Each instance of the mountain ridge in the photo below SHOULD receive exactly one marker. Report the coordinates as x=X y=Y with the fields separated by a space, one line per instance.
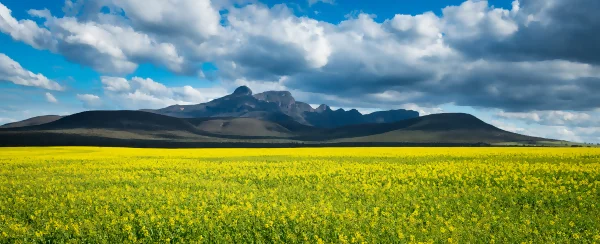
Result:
x=242 y=101
x=269 y=118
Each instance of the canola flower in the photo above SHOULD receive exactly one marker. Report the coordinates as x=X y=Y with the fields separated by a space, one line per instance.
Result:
x=325 y=195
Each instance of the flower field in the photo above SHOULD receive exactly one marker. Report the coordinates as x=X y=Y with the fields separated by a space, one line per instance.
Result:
x=324 y=195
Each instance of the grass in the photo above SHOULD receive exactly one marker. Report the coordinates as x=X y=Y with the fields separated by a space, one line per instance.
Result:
x=332 y=195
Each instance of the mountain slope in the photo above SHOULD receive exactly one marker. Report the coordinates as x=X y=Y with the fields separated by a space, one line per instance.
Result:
x=39 y=120
x=120 y=120
x=390 y=116
x=242 y=127
x=436 y=128
x=287 y=104
x=146 y=125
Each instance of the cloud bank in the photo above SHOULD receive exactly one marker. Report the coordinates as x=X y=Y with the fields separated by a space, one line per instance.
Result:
x=538 y=56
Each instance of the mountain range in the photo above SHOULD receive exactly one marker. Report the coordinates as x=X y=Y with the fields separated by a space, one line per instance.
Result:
x=244 y=119
x=242 y=103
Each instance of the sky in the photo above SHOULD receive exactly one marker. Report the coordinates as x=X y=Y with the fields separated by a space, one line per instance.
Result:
x=527 y=66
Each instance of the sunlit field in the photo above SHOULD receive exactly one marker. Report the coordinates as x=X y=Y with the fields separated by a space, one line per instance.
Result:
x=326 y=195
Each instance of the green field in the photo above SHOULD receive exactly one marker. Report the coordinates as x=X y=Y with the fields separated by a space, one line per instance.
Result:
x=330 y=195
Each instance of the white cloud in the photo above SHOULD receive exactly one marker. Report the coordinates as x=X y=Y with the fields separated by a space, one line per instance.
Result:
x=50 y=98
x=112 y=49
x=90 y=100
x=26 y=31
x=259 y=86
x=107 y=47
x=139 y=93
x=423 y=110
x=115 y=84
x=255 y=23
x=195 y=19
x=12 y=71
x=424 y=29
x=149 y=86
x=174 y=35
x=473 y=19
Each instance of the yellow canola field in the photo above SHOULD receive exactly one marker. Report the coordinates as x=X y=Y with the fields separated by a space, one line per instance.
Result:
x=309 y=195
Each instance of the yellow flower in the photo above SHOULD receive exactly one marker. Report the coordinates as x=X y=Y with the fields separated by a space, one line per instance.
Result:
x=342 y=194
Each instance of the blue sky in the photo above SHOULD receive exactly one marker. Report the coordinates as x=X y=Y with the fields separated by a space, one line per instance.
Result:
x=503 y=61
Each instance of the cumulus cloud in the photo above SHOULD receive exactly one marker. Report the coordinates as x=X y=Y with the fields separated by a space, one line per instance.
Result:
x=138 y=93
x=431 y=59
x=112 y=49
x=196 y=19
x=26 y=31
x=50 y=98
x=89 y=100
x=370 y=58
x=531 y=31
x=115 y=84
x=269 y=43
x=473 y=20
x=520 y=86
x=12 y=71
x=533 y=56
x=108 y=48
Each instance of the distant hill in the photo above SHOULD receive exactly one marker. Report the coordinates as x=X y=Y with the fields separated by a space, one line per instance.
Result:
x=242 y=103
x=33 y=121
x=448 y=127
x=139 y=128
x=152 y=125
x=118 y=120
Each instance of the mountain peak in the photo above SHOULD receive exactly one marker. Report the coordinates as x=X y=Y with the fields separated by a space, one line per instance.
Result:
x=242 y=90
x=354 y=111
x=275 y=96
x=322 y=108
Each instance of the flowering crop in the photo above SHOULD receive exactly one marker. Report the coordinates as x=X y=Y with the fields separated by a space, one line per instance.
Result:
x=325 y=195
